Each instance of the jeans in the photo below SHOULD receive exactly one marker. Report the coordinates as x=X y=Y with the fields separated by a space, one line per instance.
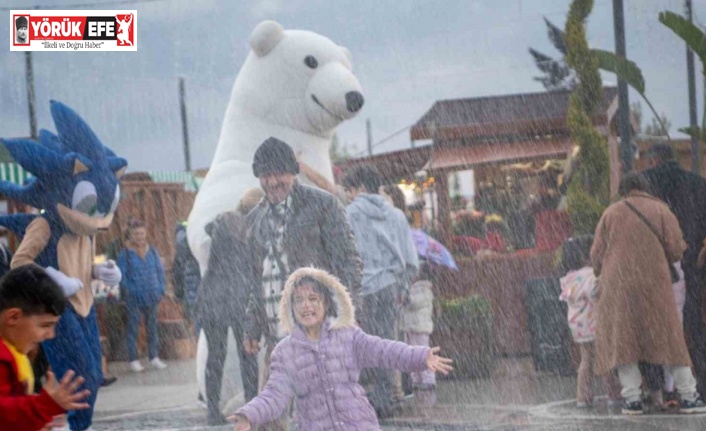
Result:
x=217 y=338
x=378 y=317
x=134 y=315
x=77 y=347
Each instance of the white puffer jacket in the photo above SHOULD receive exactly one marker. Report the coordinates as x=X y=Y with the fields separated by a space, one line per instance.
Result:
x=417 y=315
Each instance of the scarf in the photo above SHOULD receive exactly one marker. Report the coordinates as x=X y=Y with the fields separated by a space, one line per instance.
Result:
x=275 y=268
x=24 y=367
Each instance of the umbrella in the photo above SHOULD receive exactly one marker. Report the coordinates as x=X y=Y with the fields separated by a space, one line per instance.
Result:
x=432 y=249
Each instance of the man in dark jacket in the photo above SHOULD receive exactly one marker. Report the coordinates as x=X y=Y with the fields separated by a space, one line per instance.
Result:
x=222 y=299
x=685 y=193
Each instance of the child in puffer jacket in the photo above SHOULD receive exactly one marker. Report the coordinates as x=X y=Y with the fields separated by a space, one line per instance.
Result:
x=320 y=361
x=416 y=324
x=579 y=289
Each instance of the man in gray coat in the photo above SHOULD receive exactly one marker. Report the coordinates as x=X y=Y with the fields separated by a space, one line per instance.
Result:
x=295 y=226
x=389 y=263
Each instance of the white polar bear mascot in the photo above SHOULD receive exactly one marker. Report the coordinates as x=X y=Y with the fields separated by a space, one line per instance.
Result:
x=296 y=86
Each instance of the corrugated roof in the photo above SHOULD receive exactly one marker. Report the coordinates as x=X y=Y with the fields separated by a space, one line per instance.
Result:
x=474 y=117
x=471 y=156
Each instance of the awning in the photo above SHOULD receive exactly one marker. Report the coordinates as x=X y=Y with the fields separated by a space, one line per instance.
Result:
x=190 y=181
x=13 y=173
x=464 y=157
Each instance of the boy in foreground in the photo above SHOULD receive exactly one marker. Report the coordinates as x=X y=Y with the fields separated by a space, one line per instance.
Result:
x=30 y=306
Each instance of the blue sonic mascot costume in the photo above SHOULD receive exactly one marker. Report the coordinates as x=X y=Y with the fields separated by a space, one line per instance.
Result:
x=76 y=185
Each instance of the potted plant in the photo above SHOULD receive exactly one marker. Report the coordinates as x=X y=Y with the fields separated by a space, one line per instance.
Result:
x=464 y=331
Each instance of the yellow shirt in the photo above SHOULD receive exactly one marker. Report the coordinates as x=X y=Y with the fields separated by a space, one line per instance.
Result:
x=24 y=367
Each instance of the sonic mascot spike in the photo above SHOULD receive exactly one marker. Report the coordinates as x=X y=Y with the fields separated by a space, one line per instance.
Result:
x=76 y=185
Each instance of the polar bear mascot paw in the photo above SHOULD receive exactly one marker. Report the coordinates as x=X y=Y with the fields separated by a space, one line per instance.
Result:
x=296 y=86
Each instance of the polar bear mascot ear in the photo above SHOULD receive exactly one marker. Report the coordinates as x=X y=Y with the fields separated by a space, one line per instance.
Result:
x=266 y=36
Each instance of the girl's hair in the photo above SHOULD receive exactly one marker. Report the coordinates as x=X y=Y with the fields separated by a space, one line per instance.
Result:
x=326 y=295
x=576 y=253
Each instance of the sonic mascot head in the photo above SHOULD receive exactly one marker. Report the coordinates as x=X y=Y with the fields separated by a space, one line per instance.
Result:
x=76 y=177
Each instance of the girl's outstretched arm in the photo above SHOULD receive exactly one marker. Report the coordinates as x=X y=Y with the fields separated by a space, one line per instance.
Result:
x=275 y=396
x=375 y=352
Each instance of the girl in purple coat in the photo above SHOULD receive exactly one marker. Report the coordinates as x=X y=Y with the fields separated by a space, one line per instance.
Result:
x=320 y=360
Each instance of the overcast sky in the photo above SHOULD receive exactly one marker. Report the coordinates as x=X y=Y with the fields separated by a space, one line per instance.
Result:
x=406 y=54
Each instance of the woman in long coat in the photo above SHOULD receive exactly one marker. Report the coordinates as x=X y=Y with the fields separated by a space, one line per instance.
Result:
x=636 y=315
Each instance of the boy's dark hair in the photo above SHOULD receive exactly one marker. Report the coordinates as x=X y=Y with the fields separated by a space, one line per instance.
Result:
x=30 y=289
x=633 y=182
x=366 y=175
x=576 y=252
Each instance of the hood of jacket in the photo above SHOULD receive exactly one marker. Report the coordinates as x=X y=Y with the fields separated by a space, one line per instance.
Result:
x=372 y=205
x=341 y=299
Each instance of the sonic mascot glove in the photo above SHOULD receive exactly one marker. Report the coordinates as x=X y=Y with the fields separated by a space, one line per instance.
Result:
x=108 y=273
x=68 y=284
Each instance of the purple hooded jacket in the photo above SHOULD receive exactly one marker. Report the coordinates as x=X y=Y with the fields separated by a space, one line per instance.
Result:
x=324 y=376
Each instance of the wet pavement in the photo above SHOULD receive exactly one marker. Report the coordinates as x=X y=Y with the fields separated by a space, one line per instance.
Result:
x=516 y=398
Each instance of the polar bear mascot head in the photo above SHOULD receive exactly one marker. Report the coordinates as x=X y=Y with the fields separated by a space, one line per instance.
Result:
x=296 y=86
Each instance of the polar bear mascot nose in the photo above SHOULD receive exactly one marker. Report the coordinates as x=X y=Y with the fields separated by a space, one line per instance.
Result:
x=296 y=86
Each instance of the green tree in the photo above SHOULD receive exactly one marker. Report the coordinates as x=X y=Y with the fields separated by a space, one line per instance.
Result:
x=557 y=74
x=695 y=39
x=589 y=189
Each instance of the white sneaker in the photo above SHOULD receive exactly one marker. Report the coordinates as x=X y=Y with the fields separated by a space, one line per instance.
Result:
x=158 y=364
x=136 y=367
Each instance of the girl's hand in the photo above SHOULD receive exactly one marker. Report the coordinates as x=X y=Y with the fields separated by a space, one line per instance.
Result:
x=437 y=363
x=241 y=422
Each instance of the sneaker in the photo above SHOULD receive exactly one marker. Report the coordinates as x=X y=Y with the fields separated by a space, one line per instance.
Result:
x=107 y=381
x=158 y=364
x=136 y=367
x=695 y=406
x=633 y=408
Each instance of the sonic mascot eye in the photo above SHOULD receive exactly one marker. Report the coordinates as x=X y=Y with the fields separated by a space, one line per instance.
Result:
x=85 y=198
